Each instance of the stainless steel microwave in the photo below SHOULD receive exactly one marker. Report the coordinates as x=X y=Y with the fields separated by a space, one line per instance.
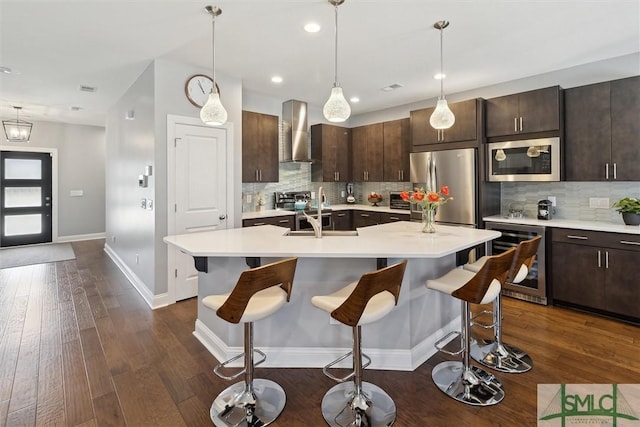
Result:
x=524 y=160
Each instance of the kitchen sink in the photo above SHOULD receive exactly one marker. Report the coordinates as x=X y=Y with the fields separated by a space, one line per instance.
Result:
x=325 y=233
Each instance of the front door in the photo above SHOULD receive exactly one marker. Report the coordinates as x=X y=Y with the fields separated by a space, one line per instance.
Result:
x=25 y=198
x=200 y=154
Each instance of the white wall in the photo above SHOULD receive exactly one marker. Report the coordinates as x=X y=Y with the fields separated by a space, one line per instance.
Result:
x=81 y=166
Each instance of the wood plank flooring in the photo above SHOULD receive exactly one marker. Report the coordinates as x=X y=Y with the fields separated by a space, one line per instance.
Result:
x=79 y=347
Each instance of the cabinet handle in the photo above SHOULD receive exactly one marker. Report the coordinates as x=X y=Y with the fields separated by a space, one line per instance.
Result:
x=515 y=124
x=606 y=259
x=256 y=174
x=283 y=221
x=615 y=171
x=599 y=260
x=338 y=176
x=606 y=171
x=340 y=215
x=259 y=223
x=627 y=242
x=260 y=171
x=571 y=236
x=402 y=175
x=364 y=215
x=520 y=123
x=394 y=218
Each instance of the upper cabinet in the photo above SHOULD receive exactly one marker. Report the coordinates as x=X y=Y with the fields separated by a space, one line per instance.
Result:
x=464 y=128
x=259 y=147
x=396 y=150
x=602 y=131
x=367 y=148
x=330 y=150
x=523 y=113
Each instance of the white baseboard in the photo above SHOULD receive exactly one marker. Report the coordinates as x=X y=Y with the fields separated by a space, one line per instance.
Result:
x=317 y=357
x=154 y=301
x=80 y=237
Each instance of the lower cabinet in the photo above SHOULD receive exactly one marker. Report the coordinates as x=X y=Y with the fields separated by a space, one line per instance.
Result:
x=597 y=270
x=386 y=217
x=365 y=218
x=281 y=221
x=342 y=220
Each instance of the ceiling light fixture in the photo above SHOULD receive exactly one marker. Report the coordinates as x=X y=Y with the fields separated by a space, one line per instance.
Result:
x=312 y=27
x=337 y=108
x=276 y=79
x=442 y=117
x=17 y=130
x=213 y=112
x=354 y=99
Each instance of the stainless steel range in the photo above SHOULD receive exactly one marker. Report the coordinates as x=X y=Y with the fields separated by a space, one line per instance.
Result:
x=287 y=201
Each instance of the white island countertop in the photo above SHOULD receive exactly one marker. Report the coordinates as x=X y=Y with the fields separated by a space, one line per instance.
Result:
x=401 y=239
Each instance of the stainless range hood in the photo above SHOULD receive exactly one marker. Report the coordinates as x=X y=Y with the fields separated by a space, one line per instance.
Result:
x=294 y=129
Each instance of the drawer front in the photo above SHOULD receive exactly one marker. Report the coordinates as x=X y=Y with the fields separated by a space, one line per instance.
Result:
x=281 y=221
x=622 y=241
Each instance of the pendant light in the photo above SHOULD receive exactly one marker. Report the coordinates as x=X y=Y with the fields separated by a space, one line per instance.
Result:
x=442 y=117
x=17 y=130
x=336 y=109
x=213 y=112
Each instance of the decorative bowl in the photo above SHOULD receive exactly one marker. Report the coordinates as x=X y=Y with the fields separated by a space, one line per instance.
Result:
x=374 y=200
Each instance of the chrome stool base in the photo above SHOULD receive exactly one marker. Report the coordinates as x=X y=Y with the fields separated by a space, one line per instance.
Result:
x=342 y=408
x=501 y=357
x=474 y=387
x=237 y=407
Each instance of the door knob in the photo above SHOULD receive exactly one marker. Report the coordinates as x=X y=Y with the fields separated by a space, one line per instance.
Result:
x=222 y=217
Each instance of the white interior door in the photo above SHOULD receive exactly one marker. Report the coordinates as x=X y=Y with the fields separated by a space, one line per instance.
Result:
x=200 y=193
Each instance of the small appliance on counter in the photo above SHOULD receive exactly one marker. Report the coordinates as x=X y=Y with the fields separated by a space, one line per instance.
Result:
x=350 y=197
x=544 y=209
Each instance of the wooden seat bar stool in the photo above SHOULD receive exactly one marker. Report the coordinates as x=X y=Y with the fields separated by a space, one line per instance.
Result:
x=259 y=292
x=358 y=403
x=494 y=353
x=459 y=379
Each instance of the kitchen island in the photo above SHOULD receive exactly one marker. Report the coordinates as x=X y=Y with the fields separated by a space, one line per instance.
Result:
x=299 y=335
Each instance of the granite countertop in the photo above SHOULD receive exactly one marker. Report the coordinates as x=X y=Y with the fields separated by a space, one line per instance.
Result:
x=402 y=239
x=568 y=223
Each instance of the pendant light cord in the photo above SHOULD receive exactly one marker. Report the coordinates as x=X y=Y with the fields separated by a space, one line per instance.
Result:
x=441 y=67
x=335 y=59
x=213 y=44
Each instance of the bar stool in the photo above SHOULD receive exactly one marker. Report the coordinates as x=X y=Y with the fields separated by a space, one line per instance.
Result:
x=358 y=403
x=458 y=379
x=494 y=353
x=259 y=292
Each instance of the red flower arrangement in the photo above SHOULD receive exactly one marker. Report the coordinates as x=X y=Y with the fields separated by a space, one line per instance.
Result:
x=427 y=199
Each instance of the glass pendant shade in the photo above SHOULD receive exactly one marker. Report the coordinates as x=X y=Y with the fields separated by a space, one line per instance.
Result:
x=336 y=109
x=17 y=130
x=442 y=117
x=213 y=113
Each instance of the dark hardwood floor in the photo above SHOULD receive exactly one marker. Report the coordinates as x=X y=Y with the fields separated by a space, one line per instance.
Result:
x=79 y=347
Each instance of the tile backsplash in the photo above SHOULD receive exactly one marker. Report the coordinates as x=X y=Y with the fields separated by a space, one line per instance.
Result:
x=572 y=198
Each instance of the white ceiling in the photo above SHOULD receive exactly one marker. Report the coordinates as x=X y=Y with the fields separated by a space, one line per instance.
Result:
x=56 y=46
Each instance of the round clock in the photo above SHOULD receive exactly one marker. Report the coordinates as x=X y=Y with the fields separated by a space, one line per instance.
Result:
x=198 y=88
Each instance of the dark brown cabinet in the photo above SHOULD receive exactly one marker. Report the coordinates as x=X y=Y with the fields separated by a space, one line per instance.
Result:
x=597 y=270
x=365 y=218
x=396 y=151
x=464 y=128
x=259 y=147
x=342 y=220
x=386 y=217
x=282 y=221
x=521 y=113
x=330 y=150
x=367 y=149
x=601 y=129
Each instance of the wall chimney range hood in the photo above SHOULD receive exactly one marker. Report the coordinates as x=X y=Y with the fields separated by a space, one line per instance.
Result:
x=294 y=130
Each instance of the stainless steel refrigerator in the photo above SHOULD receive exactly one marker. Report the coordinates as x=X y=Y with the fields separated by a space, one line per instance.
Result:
x=456 y=169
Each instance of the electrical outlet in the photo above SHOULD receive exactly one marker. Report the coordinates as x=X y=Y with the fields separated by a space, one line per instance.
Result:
x=599 y=202
x=143 y=203
x=552 y=199
x=248 y=198
x=150 y=204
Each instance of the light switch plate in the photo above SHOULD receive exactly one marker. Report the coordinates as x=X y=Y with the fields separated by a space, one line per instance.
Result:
x=552 y=199
x=599 y=202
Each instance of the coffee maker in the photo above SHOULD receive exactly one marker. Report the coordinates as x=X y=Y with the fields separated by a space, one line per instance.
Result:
x=544 y=209
x=350 y=196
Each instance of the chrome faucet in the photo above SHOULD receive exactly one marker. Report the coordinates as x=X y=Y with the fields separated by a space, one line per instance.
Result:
x=316 y=223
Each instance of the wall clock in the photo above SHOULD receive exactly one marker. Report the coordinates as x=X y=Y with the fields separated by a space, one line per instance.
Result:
x=197 y=89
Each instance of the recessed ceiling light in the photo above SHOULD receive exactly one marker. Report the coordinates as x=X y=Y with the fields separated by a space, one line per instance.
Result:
x=5 y=70
x=75 y=108
x=312 y=27
x=85 y=88
x=440 y=76
x=276 y=79
x=354 y=99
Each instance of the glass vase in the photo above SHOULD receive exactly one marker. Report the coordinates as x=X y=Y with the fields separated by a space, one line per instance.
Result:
x=427 y=220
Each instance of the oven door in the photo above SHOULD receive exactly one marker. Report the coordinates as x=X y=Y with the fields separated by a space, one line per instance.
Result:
x=525 y=160
x=303 y=224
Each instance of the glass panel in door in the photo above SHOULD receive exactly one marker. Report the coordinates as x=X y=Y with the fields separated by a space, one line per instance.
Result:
x=25 y=198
